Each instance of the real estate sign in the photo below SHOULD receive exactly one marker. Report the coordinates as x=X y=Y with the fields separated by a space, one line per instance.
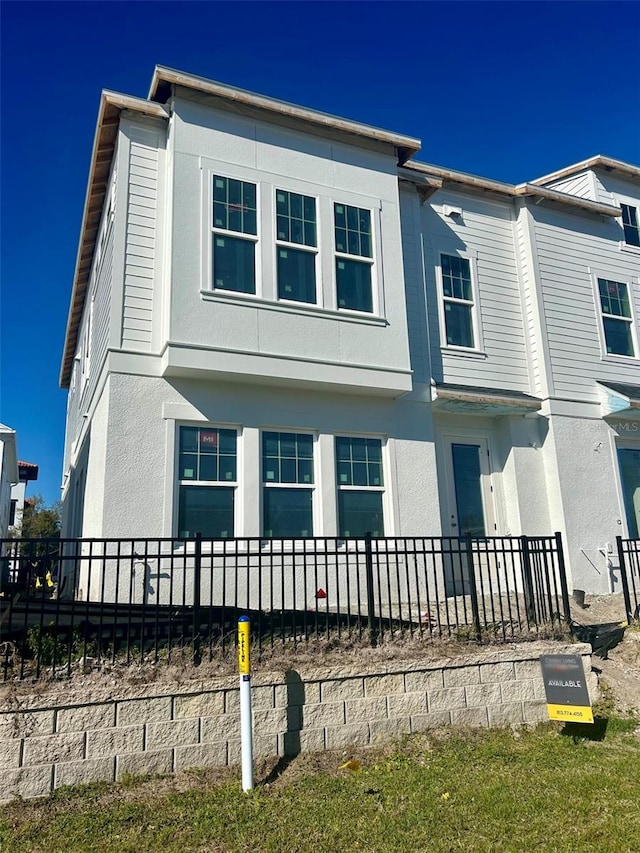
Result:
x=566 y=688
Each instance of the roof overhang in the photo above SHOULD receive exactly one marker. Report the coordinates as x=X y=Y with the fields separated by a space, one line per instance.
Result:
x=463 y=400
x=619 y=400
x=112 y=105
x=164 y=79
x=27 y=471
x=462 y=180
x=607 y=164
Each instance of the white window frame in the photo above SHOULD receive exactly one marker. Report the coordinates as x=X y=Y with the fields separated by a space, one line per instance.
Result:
x=316 y=250
x=476 y=325
x=629 y=202
x=313 y=487
x=179 y=483
x=374 y=209
x=610 y=356
x=211 y=231
x=385 y=489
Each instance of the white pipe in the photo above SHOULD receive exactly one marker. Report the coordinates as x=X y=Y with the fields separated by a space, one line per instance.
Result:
x=246 y=721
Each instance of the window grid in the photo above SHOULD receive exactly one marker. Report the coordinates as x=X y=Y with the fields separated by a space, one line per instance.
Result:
x=614 y=298
x=359 y=462
x=234 y=205
x=208 y=455
x=353 y=230
x=287 y=459
x=296 y=218
x=630 y=225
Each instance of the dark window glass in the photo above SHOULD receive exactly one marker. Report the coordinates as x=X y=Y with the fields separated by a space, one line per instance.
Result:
x=618 y=337
x=287 y=457
x=234 y=205
x=360 y=513
x=359 y=461
x=207 y=454
x=459 y=324
x=629 y=461
x=456 y=277
x=614 y=298
x=207 y=510
x=287 y=512
x=616 y=310
x=296 y=275
x=353 y=230
x=630 y=225
x=296 y=218
x=354 y=285
x=234 y=264
x=468 y=489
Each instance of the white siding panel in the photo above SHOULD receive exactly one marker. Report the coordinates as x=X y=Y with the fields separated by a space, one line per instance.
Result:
x=485 y=233
x=416 y=311
x=571 y=252
x=140 y=249
x=580 y=185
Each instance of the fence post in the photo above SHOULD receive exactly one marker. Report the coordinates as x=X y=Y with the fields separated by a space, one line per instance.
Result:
x=563 y=578
x=371 y=600
x=473 y=590
x=625 y=580
x=197 y=576
x=527 y=577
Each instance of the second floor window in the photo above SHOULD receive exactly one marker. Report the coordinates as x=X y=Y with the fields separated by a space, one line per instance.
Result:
x=296 y=246
x=287 y=475
x=457 y=293
x=207 y=476
x=234 y=235
x=354 y=257
x=616 y=317
x=630 y=225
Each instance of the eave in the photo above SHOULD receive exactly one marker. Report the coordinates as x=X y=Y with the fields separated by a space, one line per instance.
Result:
x=462 y=180
x=104 y=142
x=598 y=162
x=619 y=400
x=460 y=400
x=164 y=79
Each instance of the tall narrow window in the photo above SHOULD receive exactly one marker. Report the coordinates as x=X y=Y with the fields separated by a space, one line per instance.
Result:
x=296 y=246
x=360 y=486
x=457 y=292
x=354 y=257
x=234 y=235
x=616 y=317
x=287 y=494
x=630 y=225
x=207 y=474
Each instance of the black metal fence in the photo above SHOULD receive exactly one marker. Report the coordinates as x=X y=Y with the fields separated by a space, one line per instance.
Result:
x=89 y=601
x=629 y=556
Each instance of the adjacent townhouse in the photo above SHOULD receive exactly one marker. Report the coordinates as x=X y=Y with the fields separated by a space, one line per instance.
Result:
x=283 y=325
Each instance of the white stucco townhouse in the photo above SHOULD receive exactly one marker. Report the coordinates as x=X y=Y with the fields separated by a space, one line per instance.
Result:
x=282 y=325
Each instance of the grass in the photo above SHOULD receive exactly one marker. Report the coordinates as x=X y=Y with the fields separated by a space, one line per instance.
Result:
x=482 y=791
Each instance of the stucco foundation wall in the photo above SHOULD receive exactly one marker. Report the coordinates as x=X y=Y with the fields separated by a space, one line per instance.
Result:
x=80 y=735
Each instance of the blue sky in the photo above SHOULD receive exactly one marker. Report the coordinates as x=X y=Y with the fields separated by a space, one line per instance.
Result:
x=506 y=90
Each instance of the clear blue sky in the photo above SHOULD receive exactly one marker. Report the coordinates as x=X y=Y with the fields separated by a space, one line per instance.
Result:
x=506 y=90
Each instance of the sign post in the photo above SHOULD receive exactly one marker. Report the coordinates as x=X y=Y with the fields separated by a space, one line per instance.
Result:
x=246 y=729
x=566 y=690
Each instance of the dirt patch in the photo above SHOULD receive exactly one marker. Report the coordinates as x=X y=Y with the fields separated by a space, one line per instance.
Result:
x=621 y=672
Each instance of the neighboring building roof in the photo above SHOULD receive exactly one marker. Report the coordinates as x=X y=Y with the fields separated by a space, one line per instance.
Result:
x=165 y=78
x=27 y=471
x=526 y=190
x=600 y=161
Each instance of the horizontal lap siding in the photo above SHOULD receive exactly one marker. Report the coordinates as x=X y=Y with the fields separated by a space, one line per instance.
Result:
x=484 y=230
x=140 y=247
x=568 y=248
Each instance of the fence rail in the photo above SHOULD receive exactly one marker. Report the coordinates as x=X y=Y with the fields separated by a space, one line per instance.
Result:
x=98 y=600
x=629 y=556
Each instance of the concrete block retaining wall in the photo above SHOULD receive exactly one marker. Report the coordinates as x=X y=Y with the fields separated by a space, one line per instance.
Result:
x=84 y=735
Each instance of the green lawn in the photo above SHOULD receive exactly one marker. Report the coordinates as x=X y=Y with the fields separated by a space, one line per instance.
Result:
x=480 y=791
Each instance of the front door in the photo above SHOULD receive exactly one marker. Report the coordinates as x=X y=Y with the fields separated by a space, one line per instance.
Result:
x=629 y=461
x=470 y=493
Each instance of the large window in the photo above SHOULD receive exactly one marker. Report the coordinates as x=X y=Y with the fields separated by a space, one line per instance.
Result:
x=630 y=225
x=457 y=294
x=207 y=474
x=234 y=235
x=287 y=474
x=296 y=236
x=616 y=317
x=354 y=257
x=360 y=486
